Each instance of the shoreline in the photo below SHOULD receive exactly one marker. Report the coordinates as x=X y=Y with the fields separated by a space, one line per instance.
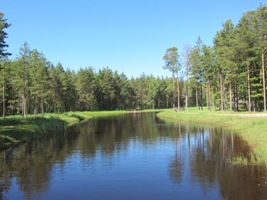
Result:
x=17 y=129
x=252 y=127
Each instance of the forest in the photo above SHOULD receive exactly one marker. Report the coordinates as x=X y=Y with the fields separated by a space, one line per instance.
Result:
x=230 y=75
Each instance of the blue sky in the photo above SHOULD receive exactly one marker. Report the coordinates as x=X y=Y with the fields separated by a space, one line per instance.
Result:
x=129 y=36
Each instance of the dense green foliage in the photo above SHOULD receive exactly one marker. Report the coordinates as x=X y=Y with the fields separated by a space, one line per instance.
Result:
x=3 y=36
x=230 y=75
x=33 y=86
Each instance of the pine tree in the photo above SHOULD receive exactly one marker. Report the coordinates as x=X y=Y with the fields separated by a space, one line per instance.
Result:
x=172 y=63
x=85 y=86
x=247 y=50
x=105 y=89
x=208 y=71
x=186 y=56
x=3 y=55
x=127 y=93
x=224 y=49
x=56 y=87
x=3 y=36
x=68 y=95
x=196 y=70
x=22 y=79
x=261 y=28
x=39 y=77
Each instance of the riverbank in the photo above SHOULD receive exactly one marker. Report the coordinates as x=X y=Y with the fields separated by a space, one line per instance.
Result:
x=252 y=127
x=17 y=129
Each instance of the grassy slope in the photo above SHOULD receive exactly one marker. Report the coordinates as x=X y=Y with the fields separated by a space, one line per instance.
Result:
x=253 y=129
x=15 y=129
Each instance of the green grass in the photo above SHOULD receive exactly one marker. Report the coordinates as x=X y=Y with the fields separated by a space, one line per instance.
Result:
x=252 y=129
x=15 y=129
x=239 y=160
x=24 y=128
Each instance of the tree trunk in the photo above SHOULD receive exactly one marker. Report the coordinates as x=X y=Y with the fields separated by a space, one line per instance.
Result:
x=263 y=74
x=186 y=102
x=167 y=101
x=208 y=95
x=186 y=90
x=42 y=106
x=207 y=98
x=230 y=96
x=35 y=106
x=201 y=96
x=3 y=91
x=236 y=96
x=222 y=91
x=178 y=93
x=24 y=91
x=173 y=92
x=25 y=106
x=4 y=110
x=196 y=96
x=248 y=86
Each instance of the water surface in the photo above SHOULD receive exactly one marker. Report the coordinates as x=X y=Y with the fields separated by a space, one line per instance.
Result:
x=132 y=156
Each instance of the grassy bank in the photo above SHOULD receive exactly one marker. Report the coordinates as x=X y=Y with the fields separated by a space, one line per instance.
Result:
x=15 y=129
x=252 y=127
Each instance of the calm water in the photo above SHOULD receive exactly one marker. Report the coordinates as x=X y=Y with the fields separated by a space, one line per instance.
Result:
x=133 y=156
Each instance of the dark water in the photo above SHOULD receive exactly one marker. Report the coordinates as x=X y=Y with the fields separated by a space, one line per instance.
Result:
x=133 y=156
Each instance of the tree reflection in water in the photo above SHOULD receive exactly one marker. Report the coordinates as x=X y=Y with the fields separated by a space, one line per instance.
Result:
x=176 y=164
x=209 y=153
x=199 y=155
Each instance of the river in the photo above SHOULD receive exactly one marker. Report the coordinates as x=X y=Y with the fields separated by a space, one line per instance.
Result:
x=132 y=156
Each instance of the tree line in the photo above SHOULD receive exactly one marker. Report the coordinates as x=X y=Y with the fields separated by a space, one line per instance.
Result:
x=32 y=85
x=228 y=75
